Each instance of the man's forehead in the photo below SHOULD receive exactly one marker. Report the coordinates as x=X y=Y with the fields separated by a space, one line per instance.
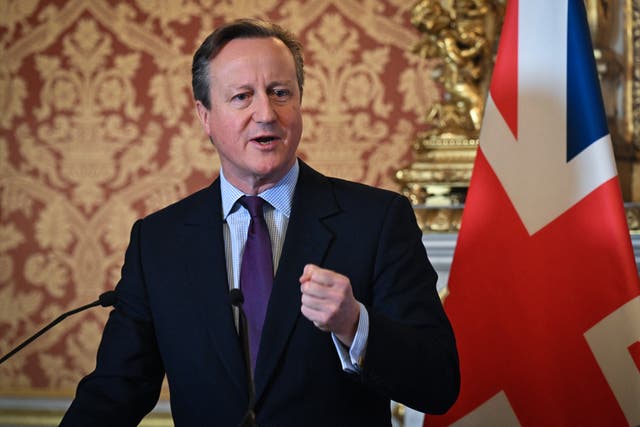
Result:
x=261 y=47
x=244 y=57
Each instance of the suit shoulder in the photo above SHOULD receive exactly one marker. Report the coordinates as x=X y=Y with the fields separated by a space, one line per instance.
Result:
x=349 y=195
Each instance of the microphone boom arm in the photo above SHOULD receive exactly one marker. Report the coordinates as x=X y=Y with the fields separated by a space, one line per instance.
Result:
x=106 y=299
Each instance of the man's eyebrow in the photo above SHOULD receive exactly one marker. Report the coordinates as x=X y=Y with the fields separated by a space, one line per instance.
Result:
x=231 y=88
x=281 y=83
x=240 y=87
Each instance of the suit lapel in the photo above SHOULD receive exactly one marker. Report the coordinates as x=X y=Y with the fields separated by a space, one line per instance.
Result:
x=307 y=241
x=207 y=273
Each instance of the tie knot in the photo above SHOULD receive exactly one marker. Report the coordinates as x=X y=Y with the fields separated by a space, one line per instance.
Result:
x=253 y=204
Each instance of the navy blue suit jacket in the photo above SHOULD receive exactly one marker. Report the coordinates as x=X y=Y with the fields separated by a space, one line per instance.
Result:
x=173 y=316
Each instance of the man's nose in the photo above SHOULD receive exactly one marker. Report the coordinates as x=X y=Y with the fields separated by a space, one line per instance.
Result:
x=263 y=109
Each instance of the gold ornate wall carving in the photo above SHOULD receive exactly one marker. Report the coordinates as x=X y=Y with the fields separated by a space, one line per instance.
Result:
x=462 y=35
x=97 y=128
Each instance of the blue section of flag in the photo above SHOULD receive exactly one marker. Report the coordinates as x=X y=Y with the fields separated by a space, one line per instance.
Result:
x=586 y=119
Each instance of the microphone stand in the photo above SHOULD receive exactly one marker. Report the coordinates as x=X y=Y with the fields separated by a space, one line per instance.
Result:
x=237 y=299
x=106 y=299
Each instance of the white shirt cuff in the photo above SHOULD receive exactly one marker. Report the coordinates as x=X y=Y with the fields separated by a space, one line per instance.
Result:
x=353 y=357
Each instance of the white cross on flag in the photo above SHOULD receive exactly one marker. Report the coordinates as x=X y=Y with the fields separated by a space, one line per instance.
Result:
x=544 y=290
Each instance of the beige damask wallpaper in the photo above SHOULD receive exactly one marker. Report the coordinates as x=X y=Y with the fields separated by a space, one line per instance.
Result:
x=97 y=128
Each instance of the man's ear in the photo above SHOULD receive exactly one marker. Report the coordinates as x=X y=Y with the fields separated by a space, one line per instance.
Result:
x=203 y=115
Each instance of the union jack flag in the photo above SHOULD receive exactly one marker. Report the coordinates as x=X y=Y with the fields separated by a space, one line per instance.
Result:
x=544 y=290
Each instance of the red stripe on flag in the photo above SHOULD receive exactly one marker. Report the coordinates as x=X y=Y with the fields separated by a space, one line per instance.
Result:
x=504 y=83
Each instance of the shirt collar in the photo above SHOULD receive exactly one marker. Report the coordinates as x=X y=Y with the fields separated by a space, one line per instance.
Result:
x=280 y=196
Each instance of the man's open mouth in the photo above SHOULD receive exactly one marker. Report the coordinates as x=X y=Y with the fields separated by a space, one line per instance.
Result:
x=265 y=139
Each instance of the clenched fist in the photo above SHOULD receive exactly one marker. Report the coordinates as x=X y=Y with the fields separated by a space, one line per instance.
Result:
x=328 y=301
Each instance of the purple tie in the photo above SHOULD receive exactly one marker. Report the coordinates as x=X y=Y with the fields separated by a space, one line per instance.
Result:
x=256 y=273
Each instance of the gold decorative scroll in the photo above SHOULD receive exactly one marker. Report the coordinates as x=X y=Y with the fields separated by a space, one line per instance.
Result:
x=461 y=37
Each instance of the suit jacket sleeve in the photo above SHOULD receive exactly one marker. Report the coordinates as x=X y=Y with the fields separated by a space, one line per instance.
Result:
x=126 y=383
x=411 y=352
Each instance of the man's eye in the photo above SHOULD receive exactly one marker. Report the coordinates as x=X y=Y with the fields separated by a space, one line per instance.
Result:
x=241 y=100
x=281 y=93
x=241 y=97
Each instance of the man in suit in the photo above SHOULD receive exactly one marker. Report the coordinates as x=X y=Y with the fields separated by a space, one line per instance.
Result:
x=353 y=318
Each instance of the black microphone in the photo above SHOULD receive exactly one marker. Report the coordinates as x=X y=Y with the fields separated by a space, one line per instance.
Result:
x=237 y=299
x=107 y=299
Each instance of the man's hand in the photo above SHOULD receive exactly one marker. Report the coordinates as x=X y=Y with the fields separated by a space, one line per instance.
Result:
x=328 y=301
